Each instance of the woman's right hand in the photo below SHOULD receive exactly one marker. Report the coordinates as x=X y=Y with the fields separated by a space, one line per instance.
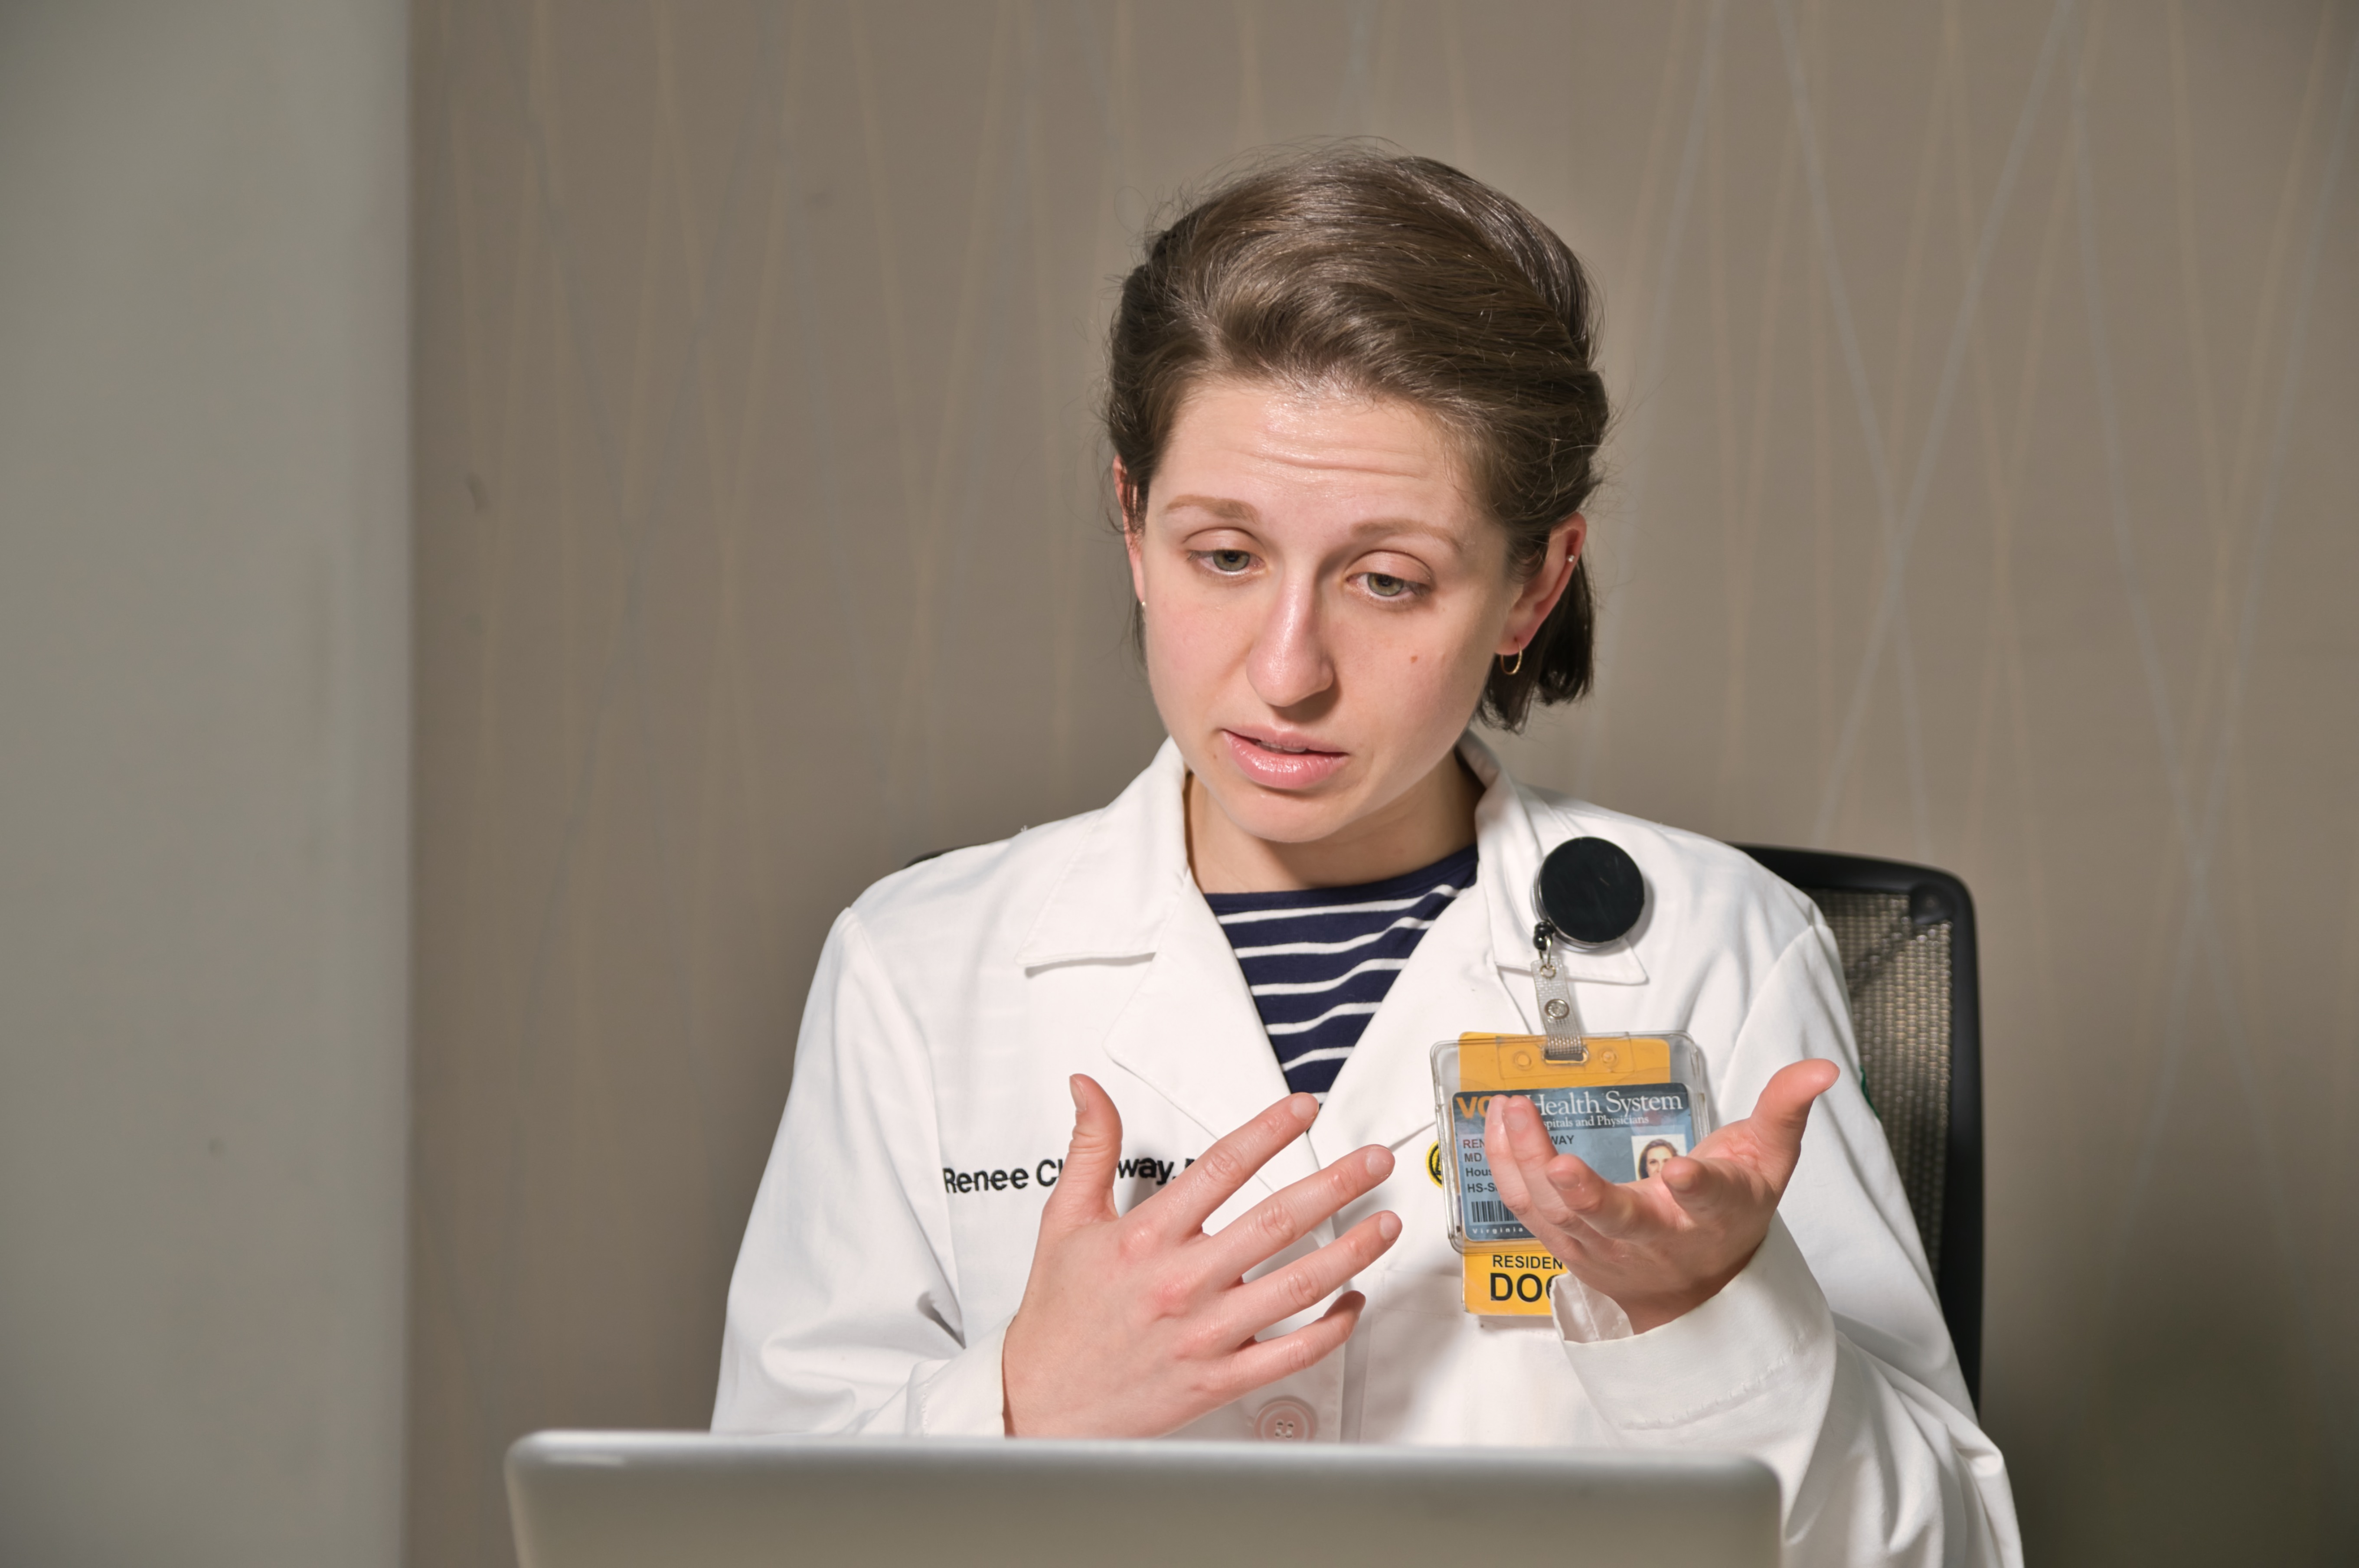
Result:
x=1133 y=1326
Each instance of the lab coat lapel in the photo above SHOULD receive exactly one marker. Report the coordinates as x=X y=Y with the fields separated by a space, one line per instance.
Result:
x=1512 y=846
x=1188 y=1032
x=1191 y=1034
x=1115 y=897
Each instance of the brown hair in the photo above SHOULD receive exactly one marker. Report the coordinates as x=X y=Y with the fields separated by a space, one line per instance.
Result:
x=1389 y=276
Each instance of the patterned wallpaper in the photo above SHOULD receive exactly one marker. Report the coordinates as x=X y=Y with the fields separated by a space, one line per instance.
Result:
x=1982 y=494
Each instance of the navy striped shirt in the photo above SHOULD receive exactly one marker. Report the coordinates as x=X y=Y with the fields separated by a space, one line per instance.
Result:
x=1319 y=961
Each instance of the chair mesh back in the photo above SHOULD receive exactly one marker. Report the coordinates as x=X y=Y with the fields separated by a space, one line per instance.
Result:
x=1897 y=972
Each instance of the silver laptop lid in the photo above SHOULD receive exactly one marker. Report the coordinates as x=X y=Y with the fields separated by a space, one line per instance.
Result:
x=591 y=1499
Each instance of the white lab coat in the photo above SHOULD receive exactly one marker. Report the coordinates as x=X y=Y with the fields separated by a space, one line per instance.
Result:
x=894 y=1229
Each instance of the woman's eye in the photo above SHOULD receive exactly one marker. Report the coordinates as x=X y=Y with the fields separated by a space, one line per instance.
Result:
x=1228 y=562
x=1387 y=587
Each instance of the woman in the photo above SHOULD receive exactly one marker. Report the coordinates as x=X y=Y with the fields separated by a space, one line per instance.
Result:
x=1096 y=1131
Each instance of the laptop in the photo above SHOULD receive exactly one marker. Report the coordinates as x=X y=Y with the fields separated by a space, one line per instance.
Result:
x=628 y=1499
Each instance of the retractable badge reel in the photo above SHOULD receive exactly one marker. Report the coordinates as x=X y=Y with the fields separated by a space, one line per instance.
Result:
x=1623 y=1103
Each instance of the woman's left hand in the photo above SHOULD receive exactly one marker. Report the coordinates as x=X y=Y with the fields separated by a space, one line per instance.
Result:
x=1663 y=1247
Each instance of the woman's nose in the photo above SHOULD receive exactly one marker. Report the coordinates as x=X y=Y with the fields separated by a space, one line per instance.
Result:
x=1289 y=665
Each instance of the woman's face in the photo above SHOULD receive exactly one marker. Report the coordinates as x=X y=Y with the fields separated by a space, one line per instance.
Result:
x=1324 y=600
x=1657 y=1156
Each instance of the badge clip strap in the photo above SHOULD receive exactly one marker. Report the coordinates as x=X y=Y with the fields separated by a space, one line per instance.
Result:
x=1558 y=1018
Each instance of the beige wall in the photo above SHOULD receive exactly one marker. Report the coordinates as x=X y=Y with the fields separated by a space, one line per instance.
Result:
x=1984 y=496
x=204 y=632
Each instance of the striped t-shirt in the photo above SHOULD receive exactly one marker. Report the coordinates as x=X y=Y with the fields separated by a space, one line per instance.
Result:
x=1319 y=961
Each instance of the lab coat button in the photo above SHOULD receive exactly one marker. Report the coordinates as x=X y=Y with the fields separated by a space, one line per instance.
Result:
x=1285 y=1420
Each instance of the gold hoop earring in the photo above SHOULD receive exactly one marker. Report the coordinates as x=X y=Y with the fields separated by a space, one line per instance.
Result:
x=1507 y=669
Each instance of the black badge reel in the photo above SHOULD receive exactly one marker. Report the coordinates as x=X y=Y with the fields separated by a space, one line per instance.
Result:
x=1622 y=1103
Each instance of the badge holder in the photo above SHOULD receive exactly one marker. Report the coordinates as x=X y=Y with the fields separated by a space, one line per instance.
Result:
x=1619 y=1102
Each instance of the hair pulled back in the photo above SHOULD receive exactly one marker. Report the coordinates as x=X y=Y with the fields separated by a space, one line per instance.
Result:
x=1386 y=277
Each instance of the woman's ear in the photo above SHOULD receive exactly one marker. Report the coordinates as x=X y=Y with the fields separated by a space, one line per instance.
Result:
x=1132 y=528
x=1547 y=585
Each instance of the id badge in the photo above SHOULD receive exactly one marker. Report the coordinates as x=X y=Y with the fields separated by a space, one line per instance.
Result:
x=1629 y=1103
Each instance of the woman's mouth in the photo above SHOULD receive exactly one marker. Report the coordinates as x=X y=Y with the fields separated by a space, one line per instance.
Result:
x=1280 y=762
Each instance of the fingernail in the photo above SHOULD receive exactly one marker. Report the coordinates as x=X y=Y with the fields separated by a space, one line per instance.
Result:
x=1074 y=1087
x=1306 y=1108
x=1380 y=1160
x=1388 y=1226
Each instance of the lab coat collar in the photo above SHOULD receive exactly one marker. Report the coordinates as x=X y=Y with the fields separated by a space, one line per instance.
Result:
x=1191 y=1032
x=1124 y=882
x=1471 y=971
x=1117 y=897
x=1510 y=851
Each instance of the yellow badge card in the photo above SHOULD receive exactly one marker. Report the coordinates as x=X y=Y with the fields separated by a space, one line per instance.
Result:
x=1511 y=1280
x=1612 y=1109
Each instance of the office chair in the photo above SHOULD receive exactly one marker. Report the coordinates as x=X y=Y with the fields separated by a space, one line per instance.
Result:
x=1907 y=936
